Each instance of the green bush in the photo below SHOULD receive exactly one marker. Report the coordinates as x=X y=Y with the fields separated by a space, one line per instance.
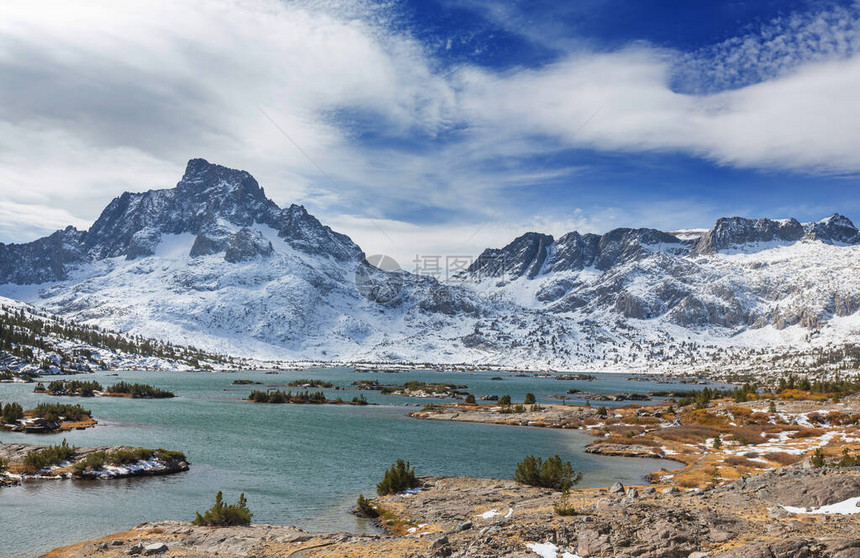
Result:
x=848 y=460
x=360 y=400
x=562 y=505
x=11 y=412
x=37 y=460
x=818 y=458
x=139 y=391
x=602 y=412
x=552 y=473
x=222 y=515
x=72 y=387
x=53 y=411
x=505 y=400
x=92 y=462
x=530 y=399
x=718 y=442
x=4 y=466
x=280 y=397
x=398 y=478
x=277 y=397
x=365 y=508
x=470 y=399
x=170 y=455
x=128 y=456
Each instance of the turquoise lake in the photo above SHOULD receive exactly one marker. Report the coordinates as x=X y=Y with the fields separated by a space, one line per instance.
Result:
x=301 y=465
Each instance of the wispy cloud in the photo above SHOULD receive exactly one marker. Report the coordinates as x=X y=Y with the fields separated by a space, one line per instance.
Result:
x=111 y=96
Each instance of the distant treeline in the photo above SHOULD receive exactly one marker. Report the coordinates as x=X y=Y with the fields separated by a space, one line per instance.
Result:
x=301 y=397
x=84 y=388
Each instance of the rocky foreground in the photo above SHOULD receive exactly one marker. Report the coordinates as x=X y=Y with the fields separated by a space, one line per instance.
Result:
x=777 y=514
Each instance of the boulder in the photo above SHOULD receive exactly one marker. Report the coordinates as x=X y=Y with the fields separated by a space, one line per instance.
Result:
x=617 y=488
x=154 y=548
x=632 y=493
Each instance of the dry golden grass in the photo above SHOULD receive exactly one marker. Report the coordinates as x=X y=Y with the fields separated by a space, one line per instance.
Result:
x=782 y=458
x=807 y=433
x=741 y=461
x=798 y=395
x=688 y=434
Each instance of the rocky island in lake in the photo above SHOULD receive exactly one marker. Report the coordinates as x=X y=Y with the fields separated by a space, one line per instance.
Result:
x=23 y=462
x=45 y=418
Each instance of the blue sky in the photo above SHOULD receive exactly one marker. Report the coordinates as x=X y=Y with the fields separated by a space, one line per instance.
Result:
x=444 y=126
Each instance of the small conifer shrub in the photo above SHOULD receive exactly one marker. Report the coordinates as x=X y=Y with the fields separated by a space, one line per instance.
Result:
x=222 y=515
x=552 y=473
x=398 y=478
x=365 y=508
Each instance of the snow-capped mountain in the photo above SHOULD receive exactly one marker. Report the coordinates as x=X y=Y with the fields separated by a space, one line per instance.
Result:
x=214 y=263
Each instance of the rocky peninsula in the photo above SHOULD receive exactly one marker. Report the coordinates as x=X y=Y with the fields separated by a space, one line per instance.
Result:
x=777 y=514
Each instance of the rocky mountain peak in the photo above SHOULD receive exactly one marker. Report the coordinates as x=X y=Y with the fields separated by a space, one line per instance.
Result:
x=524 y=256
x=731 y=232
x=217 y=204
x=203 y=177
x=835 y=228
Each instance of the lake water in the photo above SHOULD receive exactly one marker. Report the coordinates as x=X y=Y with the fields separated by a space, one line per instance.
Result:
x=301 y=465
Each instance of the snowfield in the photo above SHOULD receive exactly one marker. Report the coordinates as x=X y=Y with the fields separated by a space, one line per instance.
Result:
x=214 y=264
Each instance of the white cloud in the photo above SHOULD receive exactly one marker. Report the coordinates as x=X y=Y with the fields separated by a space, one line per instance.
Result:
x=112 y=96
x=807 y=121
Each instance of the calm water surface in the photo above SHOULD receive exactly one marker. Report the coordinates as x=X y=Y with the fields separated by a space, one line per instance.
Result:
x=298 y=465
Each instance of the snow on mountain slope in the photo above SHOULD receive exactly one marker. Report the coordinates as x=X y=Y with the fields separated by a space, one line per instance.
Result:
x=33 y=343
x=216 y=264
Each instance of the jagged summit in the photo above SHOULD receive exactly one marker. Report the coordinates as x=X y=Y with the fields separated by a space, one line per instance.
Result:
x=217 y=204
x=533 y=254
x=835 y=228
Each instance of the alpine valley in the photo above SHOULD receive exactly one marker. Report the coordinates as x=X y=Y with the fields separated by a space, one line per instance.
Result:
x=215 y=264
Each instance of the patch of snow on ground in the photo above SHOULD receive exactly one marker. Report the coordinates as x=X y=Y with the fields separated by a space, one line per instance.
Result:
x=488 y=514
x=846 y=507
x=548 y=550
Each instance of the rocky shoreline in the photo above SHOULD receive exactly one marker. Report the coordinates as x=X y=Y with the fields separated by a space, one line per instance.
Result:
x=761 y=479
x=466 y=517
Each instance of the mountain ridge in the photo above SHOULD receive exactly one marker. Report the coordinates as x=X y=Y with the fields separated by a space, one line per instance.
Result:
x=215 y=263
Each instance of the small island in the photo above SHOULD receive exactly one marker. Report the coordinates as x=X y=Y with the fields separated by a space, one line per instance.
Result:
x=305 y=383
x=45 y=418
x=416 y=389
x=91 y=388
x=279 y=397
x=26 y=461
